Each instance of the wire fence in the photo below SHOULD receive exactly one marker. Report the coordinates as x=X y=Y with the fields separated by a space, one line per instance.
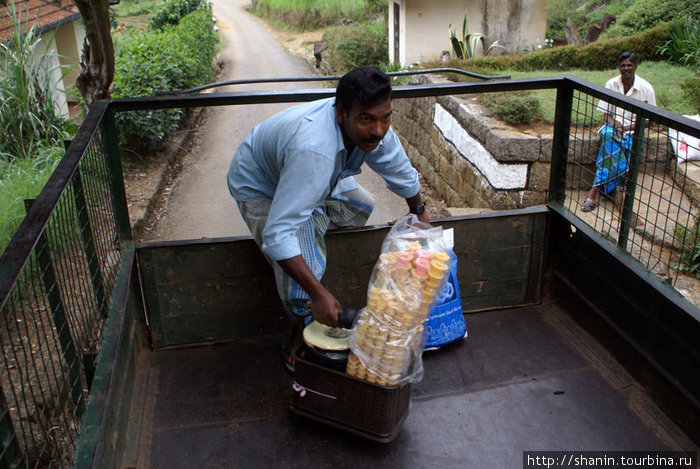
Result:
x=55 y=311
x=636 y=188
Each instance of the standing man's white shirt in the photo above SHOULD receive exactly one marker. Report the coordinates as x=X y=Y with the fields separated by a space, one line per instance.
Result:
x=641 y=90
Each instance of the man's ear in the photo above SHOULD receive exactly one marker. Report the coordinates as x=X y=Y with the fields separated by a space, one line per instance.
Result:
x=340 y=113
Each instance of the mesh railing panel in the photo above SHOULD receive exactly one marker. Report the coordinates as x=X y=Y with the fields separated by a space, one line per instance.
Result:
x=647 y=196
x=54 y=316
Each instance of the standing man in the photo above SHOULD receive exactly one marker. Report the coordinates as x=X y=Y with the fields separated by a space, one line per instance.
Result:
x=616 y=133
x=292 y=178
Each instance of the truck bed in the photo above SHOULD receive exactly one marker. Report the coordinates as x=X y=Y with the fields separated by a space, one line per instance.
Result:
x=526 y=378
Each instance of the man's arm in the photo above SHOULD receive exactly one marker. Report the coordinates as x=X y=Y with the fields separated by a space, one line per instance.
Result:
x=324 y=306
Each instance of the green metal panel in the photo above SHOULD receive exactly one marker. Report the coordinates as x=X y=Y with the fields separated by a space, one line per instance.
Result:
x=103 y=429
x=217 y=290
x=209 y=291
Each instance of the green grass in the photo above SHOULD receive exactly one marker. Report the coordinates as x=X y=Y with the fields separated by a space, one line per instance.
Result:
x=314 y=14
x=22 y=179
x=665 y=78
x=127 y=8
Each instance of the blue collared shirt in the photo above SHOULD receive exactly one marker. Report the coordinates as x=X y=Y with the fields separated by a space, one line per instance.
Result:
x=297 y=159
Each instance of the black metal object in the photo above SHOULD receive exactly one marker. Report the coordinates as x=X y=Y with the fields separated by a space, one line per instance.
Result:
x=330 y=78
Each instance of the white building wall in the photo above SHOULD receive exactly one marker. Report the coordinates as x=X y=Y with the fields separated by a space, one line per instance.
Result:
x=424 y=25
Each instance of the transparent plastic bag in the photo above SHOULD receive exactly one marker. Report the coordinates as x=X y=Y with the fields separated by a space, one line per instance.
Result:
x=387 y=339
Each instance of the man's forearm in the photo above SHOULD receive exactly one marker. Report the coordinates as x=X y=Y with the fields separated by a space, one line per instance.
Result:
x=324 y=306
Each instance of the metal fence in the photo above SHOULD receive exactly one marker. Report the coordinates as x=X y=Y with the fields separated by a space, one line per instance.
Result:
x=647 y=193
x=57 y=276
x=58 y=273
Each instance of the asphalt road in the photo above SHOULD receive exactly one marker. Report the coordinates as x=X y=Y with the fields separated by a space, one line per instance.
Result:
x=199 y=204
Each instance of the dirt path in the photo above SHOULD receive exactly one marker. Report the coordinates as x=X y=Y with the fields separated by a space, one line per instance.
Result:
x=197 y=203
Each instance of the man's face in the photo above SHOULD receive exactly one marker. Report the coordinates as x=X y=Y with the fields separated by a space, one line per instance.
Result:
x=627 y=68
x=364 y=126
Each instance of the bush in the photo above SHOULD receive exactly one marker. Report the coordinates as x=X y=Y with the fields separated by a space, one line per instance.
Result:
x=178 y=57
x=691 y=91
x=355 y=46
x=171 y=12
x=645 y=14
x=599 y=55
x=683 y=47
x=517 y=110
x=688 y=243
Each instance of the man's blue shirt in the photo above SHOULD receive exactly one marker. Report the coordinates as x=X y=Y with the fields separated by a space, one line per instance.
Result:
x=297 y=159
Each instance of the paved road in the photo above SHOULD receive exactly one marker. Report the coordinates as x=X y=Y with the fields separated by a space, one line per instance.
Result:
x=199 y=204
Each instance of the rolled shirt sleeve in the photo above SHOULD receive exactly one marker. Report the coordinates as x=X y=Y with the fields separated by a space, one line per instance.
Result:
x=292 y=203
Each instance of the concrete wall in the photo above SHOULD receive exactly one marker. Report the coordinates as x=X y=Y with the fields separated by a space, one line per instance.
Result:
x=424 y=25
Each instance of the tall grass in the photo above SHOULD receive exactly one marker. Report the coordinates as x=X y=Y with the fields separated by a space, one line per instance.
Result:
x=28 y=116
x=20 y=179
x=314 y=14
x=31 y=130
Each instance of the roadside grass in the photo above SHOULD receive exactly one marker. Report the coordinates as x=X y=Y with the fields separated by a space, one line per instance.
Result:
x=23 y=178
x=303 y=15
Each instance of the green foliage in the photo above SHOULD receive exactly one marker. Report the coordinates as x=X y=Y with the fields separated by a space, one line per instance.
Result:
x=29 y=120
x=313 y=14
x=514 y=109
x=645 y=14
x=599 y=55
x=172 y=11
x=683 y=47
x=23 y=178
x=691 y=91
x=688 y=244
x=178 y=57
x=356 y=45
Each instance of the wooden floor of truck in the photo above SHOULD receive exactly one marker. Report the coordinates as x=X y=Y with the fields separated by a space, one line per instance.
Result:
x=525 y=379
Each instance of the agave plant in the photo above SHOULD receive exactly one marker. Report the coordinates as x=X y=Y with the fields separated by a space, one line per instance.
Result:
x=466 y=47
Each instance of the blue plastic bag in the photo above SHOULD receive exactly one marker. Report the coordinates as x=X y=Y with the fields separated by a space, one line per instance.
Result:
x=446 y=323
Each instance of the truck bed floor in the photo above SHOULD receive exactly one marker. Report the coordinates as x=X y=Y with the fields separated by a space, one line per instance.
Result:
x=525 y=379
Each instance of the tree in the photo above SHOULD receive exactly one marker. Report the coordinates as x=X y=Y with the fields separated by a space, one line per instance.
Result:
x=97 y=61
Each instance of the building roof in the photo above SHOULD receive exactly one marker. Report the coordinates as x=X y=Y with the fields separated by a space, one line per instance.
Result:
x=46 y=14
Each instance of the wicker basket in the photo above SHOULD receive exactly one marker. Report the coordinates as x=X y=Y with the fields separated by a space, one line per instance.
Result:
x=345 y=402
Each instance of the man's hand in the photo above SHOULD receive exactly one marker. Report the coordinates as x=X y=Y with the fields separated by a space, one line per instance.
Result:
x=325 y=308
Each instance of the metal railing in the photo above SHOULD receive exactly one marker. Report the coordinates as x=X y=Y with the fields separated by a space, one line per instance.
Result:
x=652 y=212
x=59 y=272
x=57 y=277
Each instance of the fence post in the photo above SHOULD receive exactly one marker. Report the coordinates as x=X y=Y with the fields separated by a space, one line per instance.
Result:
x=117 y=191
x=68 y=349
x=560 y=142
x=631 y=181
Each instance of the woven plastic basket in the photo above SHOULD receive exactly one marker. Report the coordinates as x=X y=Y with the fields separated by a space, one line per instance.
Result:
x=342 y=401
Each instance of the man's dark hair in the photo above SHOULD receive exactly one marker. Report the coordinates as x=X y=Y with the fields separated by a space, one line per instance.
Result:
x=627 y=56
x=367 y=85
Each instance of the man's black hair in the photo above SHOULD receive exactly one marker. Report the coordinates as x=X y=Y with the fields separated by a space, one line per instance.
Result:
x=627 y=56
x=367 y=85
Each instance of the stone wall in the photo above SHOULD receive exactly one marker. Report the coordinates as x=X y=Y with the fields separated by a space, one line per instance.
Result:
x=473 y=159
x=470 y=158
